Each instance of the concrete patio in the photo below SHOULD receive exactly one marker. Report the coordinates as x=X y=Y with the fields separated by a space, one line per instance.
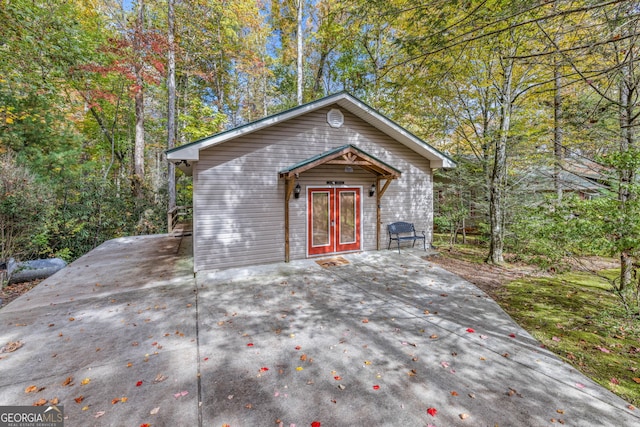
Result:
x=369 y=339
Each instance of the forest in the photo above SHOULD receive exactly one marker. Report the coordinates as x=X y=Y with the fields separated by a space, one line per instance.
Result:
x=92 y=93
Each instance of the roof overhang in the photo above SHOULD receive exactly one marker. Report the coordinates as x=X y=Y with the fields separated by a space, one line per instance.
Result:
x=347 y=155
x=191 y=152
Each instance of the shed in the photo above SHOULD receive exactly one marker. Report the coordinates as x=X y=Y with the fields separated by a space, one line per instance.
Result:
x=322 y=178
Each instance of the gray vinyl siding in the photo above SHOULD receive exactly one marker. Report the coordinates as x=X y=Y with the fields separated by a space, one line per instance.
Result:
x=239 y=197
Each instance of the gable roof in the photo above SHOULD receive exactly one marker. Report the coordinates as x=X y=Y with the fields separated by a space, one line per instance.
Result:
x=191 y=152
x=345 y=155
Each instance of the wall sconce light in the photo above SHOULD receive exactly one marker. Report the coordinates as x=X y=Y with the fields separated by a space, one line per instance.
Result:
x=372 y=190
x=296 y=191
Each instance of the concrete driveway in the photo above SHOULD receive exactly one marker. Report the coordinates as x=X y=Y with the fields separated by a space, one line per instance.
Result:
x=125 y=336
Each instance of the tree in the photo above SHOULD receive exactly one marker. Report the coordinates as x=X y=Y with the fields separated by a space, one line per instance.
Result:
x=138 y=151
x=171 y=107
x=24 y=208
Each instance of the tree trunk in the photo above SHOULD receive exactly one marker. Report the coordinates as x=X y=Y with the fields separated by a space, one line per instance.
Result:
x=299 y=53
x=626 y=173
x=557 y=127
x=557 y=116
x=138 y=155
x=499 y=174
x=171 y=108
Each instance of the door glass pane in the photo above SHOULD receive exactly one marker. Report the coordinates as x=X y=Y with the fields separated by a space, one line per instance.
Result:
x=320 y=219
x=347 y=217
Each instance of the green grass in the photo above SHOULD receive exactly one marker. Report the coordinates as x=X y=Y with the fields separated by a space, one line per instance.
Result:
x=577 y=317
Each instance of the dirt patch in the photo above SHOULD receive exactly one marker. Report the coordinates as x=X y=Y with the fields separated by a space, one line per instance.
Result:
x=14 y=290
x=489 y=278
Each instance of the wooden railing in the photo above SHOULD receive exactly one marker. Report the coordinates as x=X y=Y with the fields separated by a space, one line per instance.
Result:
x=178 y=214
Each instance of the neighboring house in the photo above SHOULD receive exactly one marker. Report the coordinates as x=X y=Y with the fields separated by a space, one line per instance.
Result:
x=322 y=178
x=578 y=176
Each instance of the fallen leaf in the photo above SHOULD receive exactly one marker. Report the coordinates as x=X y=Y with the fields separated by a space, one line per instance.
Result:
x=512 y=335
x=604 y=350
x=54 y=401
x=129 y=365
x=560 y=411
x=337 y=378
x=463 y=416
x=99 y=414
x=123 y=399
x=365 y=320
x=315 y=424
x=180 y=394
x=470 y=330
x=433 y=337
x=139 y=383
x=31 y=389
x=68 y=381
x=454 y=393
x=445 y=364
x=250 y=344
x=412 y=373
x=159 y=378
x=154 y=411
x=11 y=346
x=299 y=368
x=432 y=411
x=85 y=408
x=40 y=402
x=556 y=339
x=341 y=387
x=79 y=399
x=303 y=357
x=483 y=337
x=376 y=387
x=615 y=381
x=145 y=425
x=579 y=385
x=264 y=369
x=631 y=407
x=367 y=362
x=298 y=347
x=426 y=312
x=85 y=381
x=637 y=380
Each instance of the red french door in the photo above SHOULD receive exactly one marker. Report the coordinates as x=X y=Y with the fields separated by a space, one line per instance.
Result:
x=334 y=220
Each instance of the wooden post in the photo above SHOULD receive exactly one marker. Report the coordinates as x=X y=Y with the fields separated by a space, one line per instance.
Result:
x=379 y=194
x=288 y=190
x=378 y=215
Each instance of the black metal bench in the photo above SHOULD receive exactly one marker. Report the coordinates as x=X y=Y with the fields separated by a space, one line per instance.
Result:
x=403 y=232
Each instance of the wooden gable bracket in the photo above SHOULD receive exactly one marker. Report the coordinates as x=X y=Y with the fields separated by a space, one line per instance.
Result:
x=348 y=155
